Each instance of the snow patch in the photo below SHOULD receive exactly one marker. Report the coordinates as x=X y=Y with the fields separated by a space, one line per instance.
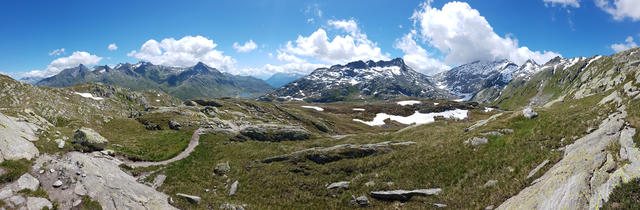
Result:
x=410 y=102
x=358 y=109
x=416 y=118
x=88 y=95
x=488 y=109
x=314 y=107
x=436 y=104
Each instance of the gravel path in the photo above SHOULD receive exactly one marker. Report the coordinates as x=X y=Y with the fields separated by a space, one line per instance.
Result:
x=195 y=140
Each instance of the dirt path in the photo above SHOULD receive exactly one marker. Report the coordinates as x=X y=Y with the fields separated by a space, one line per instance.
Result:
x=195 y=140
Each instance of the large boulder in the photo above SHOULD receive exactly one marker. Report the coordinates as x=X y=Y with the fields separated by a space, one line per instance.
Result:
x=38 y=203
x=275 y=133
x=190 y=198
x=90 y=138
x=529 y=113
x=15 y=139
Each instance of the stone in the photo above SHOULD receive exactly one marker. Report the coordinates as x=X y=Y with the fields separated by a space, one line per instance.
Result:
x=41 y=171
x=16 y=138
x=26 y=181
x=222 y=168
x=275 y=133
x=234 y=188
x=403 y=195
x=159 y=180
x=506 y=130
x=108 y=152
x=60 y=143
x=475 y=141
x=228 y=206
x=339 y=185
x=16 y=200
x=529 y=113
x=191 y=198
x=90 y=138
x=490 y=183
x=440 y=205
x=174 y=125
x=490 y=207
x=370 y=184
x=57 y=183
x=5 y=193
x=492 y=133
x=205 y=102
x=38 y=203
x=535 y=170
x=362 y=200
x=51 y=170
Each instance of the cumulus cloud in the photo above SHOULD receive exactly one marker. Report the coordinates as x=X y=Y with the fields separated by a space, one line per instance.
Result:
x=269 y=69
x=341 y=49
x=417 y=57
x=628 y=44
x=563 y=3
x=621 y=9
x=246 y=47
x=57 y=52
x=112 y=47
x=463 y=35
x=57 y=65
x=186 y=51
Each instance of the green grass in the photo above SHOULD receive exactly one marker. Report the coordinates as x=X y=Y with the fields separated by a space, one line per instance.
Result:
x=15 y=169
x=140 y=144
x=88 y=204
x=625 y=196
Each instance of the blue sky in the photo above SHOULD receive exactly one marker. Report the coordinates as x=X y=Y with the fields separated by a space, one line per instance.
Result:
x=207 y=30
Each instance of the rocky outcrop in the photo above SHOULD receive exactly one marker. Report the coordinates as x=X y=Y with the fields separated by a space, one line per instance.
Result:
x=38 y=203
x=475 y=141
x=584 y=177
x=529 y=113
x=339 y=185
x=99 y=177
x=15 y=139
x=361 y=201
x=403 y=195
x=275 y=133
x=222 y=168
x=322 y=155
x=90 y=138
x=190 y=198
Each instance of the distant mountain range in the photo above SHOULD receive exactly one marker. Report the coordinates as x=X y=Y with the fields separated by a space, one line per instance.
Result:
x=279 y=79
x=199 y=80
x=360 y=80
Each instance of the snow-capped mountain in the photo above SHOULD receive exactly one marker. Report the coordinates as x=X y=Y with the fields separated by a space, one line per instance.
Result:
x=466 y=80
x=359 y=79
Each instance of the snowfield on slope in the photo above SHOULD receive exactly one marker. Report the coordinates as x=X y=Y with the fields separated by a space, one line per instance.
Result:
x=314 y=107
x=409 y=102
x=88 y=95
x=416 y=118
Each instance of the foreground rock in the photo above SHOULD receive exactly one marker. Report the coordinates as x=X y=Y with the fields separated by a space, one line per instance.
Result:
x=275 y=133
x=403 y=195
x=15 y=139
x=475 y=141
x=222 y=168
x=529 y=113
x=322 y=155
x=99 y=177
x=585 y=176
x=190 y=198
x=362 y=200
x=339 y=185
x=90 y=138
x=38 y=203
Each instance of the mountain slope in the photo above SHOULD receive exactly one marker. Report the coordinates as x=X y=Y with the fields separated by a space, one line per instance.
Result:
x=360 y=80
x=279 y=79
x=196 y=81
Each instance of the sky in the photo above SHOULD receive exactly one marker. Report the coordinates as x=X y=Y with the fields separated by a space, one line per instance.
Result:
x=263 y=37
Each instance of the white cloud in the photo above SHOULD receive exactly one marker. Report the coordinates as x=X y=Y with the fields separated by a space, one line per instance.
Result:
x=417 y=57
x=246 y=47
x=269 y=69
x=184 y=52
x=628 y=44
x=463 y=35
x=621 y=9
x=60 y=64
x=112 y=47
x=342 y=49
x=57 y=52
x=563 y=3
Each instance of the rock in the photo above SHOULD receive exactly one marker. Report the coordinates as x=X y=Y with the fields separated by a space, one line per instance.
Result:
x=17 y=200
x=490 y=207
x=228 y=206
x=403 y=195
x=529 y=113
x=362 y=200
x=108 y=152
x=205 y=102
x=190 y=198
x=506 y=130
x=26 y=181
x=51 y=170
x=339 y=185
x=370 y=184
x=275 y=133
x=57 y=184
x=41 y=171
x=323 y=155
x=77 y=202
x=159 y=180
x=490 y=183
x=222 y=168
x=174 y=125
x=15 y=139
x=5 y=193
x=104 y=182
x=475 y=141
x=535 y=170
x=190 y=103
x=60 y=143
x=439 y=205
x=234 y=188
x=90 y=138
x=492 y=133
x=38 y=203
